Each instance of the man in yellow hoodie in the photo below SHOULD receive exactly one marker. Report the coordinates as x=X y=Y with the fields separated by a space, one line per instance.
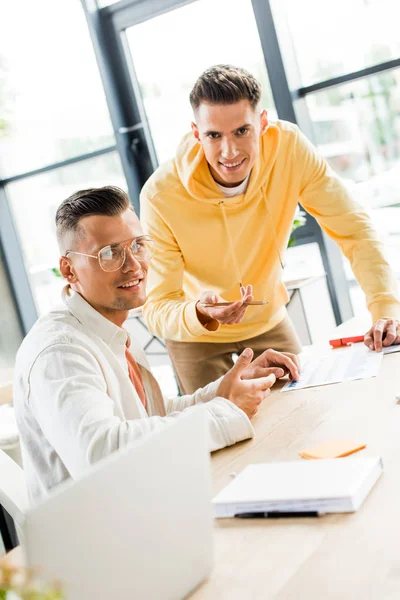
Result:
x=221 y=214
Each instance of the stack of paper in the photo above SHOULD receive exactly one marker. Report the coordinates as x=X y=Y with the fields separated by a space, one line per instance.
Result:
x=342 y=364
x=323 y=486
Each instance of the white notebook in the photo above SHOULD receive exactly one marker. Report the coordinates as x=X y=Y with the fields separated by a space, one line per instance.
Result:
x=324 y=486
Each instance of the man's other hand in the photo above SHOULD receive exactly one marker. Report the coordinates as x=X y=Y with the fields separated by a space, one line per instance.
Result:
x=271 y=361
x=247 y=394
x=384 y=332
x=225 y=315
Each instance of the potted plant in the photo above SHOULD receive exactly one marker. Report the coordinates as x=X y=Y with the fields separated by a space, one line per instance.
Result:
x=17 y=583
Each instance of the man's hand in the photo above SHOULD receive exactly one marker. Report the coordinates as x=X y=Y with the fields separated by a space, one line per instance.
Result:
x=226 y=315
x=384 y=332
x=246 y=394
x=271 y=361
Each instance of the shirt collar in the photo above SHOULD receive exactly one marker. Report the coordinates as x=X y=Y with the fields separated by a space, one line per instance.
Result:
x=92 y=319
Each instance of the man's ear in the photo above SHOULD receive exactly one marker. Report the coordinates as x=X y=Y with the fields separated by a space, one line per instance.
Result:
x=263 y=122
x=67 y=270
x=196 y=132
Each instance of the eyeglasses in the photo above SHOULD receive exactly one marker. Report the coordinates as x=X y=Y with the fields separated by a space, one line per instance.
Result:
x=112 y=257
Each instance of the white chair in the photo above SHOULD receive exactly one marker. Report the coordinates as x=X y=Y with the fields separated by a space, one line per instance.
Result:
x=13 y=498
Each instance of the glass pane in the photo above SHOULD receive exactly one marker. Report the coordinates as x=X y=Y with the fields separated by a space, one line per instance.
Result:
x=102 y=3
x=51 y=94
x=357 y=129
x=34 y=202
x=10 y=332
x=167 y=76
x=357 y=125
x=330 y=39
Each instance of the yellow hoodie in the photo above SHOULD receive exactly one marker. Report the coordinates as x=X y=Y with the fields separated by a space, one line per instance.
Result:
x=192 y=222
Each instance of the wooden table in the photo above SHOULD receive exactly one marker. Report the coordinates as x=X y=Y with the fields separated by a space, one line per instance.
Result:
x=347 y=557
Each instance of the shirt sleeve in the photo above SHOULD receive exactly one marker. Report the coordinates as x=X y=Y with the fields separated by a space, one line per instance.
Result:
x=327 y=199
x=167 y=312
x=68 y=397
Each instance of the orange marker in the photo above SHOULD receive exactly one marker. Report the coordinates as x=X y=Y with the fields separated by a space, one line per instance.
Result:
x=346 y=341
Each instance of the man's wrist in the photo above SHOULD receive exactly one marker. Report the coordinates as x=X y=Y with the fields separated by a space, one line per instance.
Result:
x=207 y=321
x=202 y=316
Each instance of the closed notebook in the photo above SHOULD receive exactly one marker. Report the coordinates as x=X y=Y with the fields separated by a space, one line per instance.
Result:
x=324 y=486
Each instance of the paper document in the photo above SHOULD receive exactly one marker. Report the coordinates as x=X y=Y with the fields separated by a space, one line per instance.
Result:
x=333 y=366
x=391 y=349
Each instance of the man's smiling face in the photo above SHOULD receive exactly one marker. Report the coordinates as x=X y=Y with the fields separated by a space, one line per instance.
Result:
x=113 y=293
x=230 y=136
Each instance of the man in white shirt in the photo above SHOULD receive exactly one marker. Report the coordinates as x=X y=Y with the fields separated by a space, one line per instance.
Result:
x=83 y=388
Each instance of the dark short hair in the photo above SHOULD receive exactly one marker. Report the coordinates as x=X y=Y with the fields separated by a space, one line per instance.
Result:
x=225 y=84
x=108 y=200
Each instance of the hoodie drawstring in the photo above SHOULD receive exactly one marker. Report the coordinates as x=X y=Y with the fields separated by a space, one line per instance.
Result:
x=233 y=253
x=274 y=231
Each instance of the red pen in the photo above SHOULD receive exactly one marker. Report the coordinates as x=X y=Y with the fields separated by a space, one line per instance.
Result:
x=346 y=341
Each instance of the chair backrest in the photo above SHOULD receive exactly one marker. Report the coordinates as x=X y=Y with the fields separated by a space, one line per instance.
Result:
x=13 y=490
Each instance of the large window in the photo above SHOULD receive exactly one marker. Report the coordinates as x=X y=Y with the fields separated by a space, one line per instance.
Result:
x=357 y=129
x=34 y=201
x=189 y=40
x=56 y=134
x=10 y=332
x=357 y=125
x=334 y=38
x=53 y=101
x=354 y=124
x=55 y=111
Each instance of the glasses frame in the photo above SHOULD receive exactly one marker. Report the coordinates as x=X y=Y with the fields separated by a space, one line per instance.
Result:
x=124 y=245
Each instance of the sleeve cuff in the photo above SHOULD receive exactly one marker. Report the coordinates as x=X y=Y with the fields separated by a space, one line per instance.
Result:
x=230 y=424
x=193 y=324
x=385 y=311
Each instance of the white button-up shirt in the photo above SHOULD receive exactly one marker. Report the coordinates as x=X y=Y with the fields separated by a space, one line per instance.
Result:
x=75 y=404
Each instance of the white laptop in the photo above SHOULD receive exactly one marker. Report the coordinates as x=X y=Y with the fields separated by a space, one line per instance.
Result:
x=138 y=525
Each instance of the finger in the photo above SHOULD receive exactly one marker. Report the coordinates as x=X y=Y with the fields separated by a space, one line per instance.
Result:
x=369 y=339
x=264 y=383
x=280 y=358
x=277 y=371
x=242 y=362
x=378 y=333
x=248 y=291
x=390 y=332
x=258 y=372
x=238 y=315
x=295 y=359
x=221 y=313
x=248 y=298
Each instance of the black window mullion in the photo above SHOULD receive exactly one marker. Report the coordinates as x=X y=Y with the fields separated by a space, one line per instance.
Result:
x=15 y=267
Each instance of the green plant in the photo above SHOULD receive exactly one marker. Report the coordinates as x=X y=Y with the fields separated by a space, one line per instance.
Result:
x=24 y=584
x=299 y=221
x=57 y=273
